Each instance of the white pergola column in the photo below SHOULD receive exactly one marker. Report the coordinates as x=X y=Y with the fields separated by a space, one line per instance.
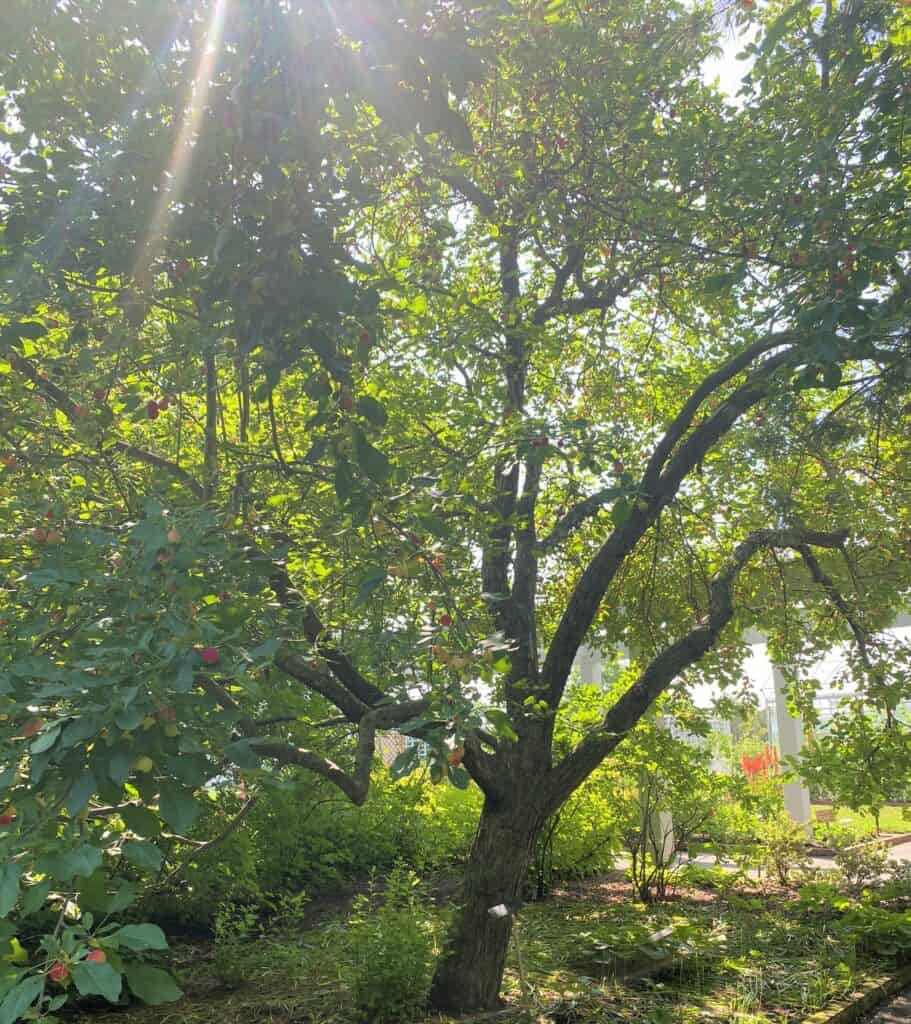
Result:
x=663 y=826
x=588 y=661
x=790 y=744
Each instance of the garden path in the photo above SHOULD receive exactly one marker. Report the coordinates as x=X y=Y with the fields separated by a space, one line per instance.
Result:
x=900 y=852
x=896 y=1012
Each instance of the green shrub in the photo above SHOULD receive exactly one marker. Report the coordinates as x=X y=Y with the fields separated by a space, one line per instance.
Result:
x=876 y=930
x=314 y=840
x=782 y=847
x=391 y=951
x=859 y=864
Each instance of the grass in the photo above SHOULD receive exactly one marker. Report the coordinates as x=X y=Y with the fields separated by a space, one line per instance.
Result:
x=732 y=954
x=892 y=819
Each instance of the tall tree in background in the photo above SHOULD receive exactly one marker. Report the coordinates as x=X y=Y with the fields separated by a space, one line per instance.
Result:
x=360 y=354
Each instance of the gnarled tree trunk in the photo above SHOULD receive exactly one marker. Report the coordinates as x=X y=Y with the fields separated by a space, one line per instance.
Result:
x=470 y=971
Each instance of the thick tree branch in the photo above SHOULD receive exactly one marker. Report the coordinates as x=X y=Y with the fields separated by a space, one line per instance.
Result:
x=660 y=673
x=315 y=631
x=576 y=516
x=301 y=668
x=484 y=203
x=593 y=504
x=602 y=297
x=354 y=785
x=684 y=419
x=588 y=593
x=574 y=257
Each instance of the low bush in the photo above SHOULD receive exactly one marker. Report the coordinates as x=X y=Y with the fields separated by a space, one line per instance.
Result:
x=877 y=930
x=858 y=864
x=782 y=848
x=314 y=842
x=390 y=951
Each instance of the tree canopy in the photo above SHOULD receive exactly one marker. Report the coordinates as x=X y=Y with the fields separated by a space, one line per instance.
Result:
x=362 y=361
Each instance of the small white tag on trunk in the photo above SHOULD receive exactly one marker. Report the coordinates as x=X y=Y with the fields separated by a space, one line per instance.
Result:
x=500 y=910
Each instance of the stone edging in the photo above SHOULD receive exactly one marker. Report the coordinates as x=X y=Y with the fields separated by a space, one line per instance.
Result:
x=896 y=839
x=867 y=998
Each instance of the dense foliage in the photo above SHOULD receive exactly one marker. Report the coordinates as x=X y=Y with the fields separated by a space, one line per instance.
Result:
x=360 y=362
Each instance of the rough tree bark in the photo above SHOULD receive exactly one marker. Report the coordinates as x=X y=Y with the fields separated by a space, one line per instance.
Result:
x=470 y=972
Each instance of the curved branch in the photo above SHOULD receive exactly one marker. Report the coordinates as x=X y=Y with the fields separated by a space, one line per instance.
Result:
x=590 y=506
x=684 y=419
x=825 y=581
x=354 y=785
x=670 y=662
x=301 y=668
x=583 y=604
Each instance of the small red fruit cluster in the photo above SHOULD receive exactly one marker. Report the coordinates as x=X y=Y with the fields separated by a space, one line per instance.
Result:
x=209 y=655
x=58 y=972
x=156 y=406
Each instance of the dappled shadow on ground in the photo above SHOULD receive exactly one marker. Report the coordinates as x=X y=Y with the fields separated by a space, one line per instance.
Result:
x=591 y=954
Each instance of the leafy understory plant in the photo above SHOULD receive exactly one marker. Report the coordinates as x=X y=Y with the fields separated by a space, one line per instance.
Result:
x=391 y=945
x=782 y=848
x=106 y=959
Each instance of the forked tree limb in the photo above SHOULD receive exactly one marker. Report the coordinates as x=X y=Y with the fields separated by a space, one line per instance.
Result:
x=586 y=597
x=669 y=663
x=355 y=784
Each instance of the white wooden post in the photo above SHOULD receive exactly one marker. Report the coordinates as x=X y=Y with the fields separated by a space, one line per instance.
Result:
x=588 y=661
x=790 y=744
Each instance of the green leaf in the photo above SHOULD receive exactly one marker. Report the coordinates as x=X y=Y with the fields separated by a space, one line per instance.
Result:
x=242 y=754
x=46 y=740
x=119 y=765
x=266 y=650
x=9 y=976
x=143 y=854
x=502 y=725
x=20 y=998
x=80 y=792
x=34 y=897
x=121 y=898
x=130 y=718
x=369 y=582
x=459 y=777
x=140 y=937
x=372 y=410
x=9 y=887
x=179 y=808
x=64 y=866
x=151 y=984
x=779 y=26
x=141 y=820
x=372 y=462
x=715 y=284
x=621 y=512
x=94 y=979
x=30 y=330
x=405 y=763
x=343 y=480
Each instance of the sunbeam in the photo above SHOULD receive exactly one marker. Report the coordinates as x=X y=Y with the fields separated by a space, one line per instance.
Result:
x=175 y=175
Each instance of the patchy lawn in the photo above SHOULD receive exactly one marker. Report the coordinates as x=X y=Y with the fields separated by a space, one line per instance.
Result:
x=733 y=954
x=891 y=819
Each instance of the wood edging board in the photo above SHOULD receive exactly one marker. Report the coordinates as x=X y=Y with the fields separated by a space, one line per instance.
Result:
x=867 y=998
x=896 y=839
